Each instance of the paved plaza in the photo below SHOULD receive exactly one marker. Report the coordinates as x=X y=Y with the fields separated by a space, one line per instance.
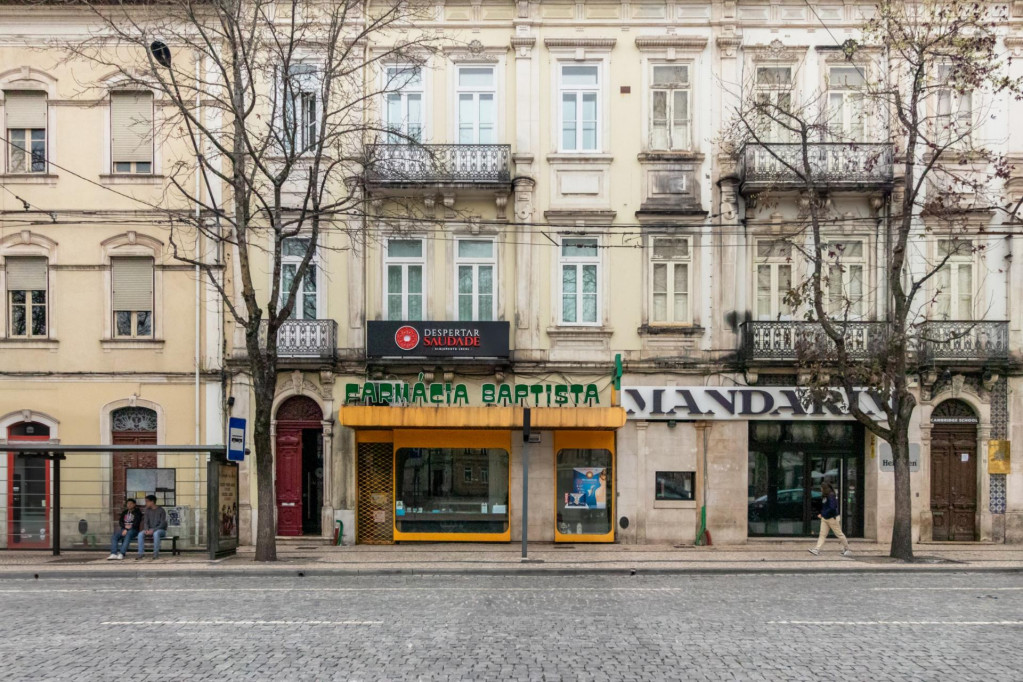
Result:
x=863 y=626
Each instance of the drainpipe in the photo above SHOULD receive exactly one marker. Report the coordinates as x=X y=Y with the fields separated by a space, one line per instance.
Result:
x=198 y=293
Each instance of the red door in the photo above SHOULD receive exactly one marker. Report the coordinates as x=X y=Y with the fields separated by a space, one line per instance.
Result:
x=28 y=491
x=289 y=480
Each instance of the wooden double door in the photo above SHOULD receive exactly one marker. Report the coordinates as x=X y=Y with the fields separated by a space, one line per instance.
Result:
x=299 y=478
x=954 y=481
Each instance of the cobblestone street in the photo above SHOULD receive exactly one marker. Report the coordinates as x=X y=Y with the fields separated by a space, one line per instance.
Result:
x=962 y=626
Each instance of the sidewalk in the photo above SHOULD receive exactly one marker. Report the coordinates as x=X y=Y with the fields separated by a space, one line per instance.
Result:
x=313 y=559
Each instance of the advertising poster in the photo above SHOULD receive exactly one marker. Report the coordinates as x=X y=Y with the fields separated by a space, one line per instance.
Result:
x=227 y=507
x=589 y=489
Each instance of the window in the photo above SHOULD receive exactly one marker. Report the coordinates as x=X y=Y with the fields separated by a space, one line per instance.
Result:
x=403 y=109
x=843 y=262
x=674 y=485
x=580 y=111
x=774 y=99
x=467 y=475
x=953 y=283
x=293 y=250
x=26 y=131
x=131 y=132
x=132 y=284
x=300 y=115
x=773 y=279
x=584 y=482
x=26 y=296
x=670 y=275
x=954 y=120
x=477 y=113
x=404 y=266
x=670 y=124
x=845 y=103
x=580 y=271
x=475 y=265
x=484 y=475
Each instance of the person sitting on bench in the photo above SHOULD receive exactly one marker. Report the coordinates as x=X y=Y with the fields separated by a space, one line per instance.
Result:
x=154 y=525
x=128 y=523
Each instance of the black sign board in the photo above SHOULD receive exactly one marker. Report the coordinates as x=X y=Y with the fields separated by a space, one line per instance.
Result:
x=386 y=339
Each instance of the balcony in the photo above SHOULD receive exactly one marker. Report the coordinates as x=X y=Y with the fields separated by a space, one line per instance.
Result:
x=834 y=166
x=305 y=340
x=455 y=165
x=962 y=342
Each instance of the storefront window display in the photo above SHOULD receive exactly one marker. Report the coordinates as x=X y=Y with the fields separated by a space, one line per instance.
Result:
x=451 y=490
x=584 y=492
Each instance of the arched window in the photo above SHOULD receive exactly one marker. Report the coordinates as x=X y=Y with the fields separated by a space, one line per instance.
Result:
x=31 y=429
x=953 y=412
x=133 y=419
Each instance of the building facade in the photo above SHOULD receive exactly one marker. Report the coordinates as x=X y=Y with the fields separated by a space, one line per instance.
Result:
x=105 y=338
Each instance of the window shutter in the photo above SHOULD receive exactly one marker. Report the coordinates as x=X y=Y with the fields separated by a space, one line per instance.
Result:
x=26 y=274
x=25 y=110
x=132 y=282
x=131 y=126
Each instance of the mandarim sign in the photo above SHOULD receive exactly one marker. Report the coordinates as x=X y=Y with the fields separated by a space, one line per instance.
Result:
x=387 y=339
x=740 y=402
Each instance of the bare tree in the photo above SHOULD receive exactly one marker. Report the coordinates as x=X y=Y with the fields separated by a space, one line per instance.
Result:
x=278 y=103
x=916 y=78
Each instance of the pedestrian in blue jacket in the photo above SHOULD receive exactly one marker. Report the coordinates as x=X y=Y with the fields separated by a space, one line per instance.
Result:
x=830 y=520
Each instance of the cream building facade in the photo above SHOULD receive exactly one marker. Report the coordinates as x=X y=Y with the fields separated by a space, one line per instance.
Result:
x=575 y=205
x=105 y=337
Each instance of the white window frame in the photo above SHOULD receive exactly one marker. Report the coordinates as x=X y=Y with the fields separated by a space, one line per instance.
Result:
x=670 y=265
x=841 y=121
x=846 y=261
x=133 y=166
x=578 y=262
x=475 y=92
x=963 y=258
x=27 y=150
x=688 y=134
x=133 y=322
x=303 y=87
x=301 y=294
x=389 y=88
x=775 y=132
x=475 y=263
x=579 y=91
x=404 y=262
x=779 y=310
x=961 y=107
x=28 y=305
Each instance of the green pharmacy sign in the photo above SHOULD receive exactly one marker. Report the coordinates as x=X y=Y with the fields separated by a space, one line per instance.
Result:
x=397 y=393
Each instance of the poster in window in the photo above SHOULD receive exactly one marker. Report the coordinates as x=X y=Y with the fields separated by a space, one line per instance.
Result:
x=227 y=506
x=589 y=489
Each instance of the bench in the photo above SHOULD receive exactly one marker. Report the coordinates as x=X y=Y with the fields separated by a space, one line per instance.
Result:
x=163 y=543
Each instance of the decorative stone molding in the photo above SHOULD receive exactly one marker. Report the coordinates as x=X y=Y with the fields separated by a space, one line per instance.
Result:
x=580 y=218
x=776 y=51
x=729 y=45
x=594 y=43
x=689 y=43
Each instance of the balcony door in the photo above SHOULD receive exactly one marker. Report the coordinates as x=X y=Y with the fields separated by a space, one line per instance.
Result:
x=773 y=279
x=477 y=112
x=307 y=297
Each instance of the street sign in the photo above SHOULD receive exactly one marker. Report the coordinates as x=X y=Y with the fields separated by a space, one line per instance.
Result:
x=236 y=439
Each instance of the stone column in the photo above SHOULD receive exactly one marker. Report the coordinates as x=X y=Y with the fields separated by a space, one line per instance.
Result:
x=643 y=505
x=926 y=526
x=329 y=495
x=985 y=529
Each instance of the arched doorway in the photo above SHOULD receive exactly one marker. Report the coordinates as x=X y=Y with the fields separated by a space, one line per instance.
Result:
x=28 y=491
x=133 y=426
x=299 y=467
x=954 y=471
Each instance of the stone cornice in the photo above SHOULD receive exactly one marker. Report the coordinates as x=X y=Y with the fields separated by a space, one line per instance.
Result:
x=594 y=43
x=517 y=41
x=677 y=42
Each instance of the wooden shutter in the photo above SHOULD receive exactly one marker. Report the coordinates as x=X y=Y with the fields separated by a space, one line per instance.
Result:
x=26 y=274
x=25 y=110
x=131 y=126
x=132 y=282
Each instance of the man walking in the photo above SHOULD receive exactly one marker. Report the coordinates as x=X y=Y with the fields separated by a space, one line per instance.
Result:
x=128 y=523
x=154 y=525
x=830 y=520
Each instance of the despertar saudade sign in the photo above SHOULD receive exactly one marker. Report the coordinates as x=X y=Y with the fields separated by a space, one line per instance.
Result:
x=422 y=393
x=408 y=339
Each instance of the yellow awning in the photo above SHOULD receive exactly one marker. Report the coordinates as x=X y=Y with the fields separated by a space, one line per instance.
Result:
x=546 y=418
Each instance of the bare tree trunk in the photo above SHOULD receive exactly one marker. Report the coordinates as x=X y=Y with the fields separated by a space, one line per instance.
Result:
x=902 y=526
x=264 y=386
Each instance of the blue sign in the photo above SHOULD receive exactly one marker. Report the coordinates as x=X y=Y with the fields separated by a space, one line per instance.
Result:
x=236 y=439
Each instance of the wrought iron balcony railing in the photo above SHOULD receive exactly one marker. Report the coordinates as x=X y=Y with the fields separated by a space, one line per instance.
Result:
x=409 y=164
x=933 y=341
x=792 y=339
x=305 y=339
x=964 y=340
x=834 y=165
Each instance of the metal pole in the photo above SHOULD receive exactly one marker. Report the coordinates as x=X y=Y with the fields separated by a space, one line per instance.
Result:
x=56 y=505
x=525 y=481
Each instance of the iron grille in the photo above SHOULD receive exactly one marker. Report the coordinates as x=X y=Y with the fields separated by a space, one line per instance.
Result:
x=314 y=339
x=790 y=340
x=965 y=340
x=375 y=472
x=832 y=164
x=438 y=163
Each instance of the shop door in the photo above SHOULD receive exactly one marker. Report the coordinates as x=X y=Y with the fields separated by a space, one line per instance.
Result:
x=312 y=481
x=28 y=491
x=374 y=524
x=289 y=481
x=954 y=482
